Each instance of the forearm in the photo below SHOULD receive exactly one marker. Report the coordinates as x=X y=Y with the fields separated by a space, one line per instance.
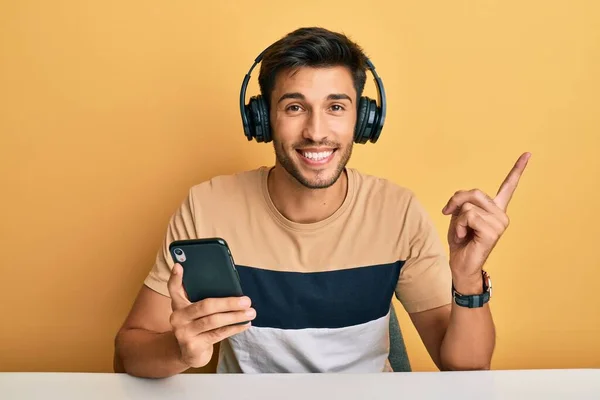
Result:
x=470 y=338
x=149 y=354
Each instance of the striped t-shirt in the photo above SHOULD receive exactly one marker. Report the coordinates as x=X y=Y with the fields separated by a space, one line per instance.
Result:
x=322 y=291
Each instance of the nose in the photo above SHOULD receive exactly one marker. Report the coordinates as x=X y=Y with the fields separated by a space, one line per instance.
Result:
x=314 y=128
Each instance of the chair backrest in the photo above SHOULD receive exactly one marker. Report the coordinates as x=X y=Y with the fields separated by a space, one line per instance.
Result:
x=398 y=357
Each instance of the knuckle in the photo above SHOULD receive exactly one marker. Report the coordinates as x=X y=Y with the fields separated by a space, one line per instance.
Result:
x=180 y=335
x=174 y=319
x=202 y=324
x=202 y=307
x=503 y=220
x=190 y=346
x=225 y=332
x=238 y=317
x=479 y=195
x=216 y=335
x=215 y=321
x=207 y=306
x=234 y=303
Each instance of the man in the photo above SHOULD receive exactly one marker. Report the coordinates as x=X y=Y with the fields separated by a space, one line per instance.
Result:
x=320 y=248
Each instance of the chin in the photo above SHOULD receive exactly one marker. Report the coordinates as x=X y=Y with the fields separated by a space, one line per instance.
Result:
x=322 y=181
x=316 y=177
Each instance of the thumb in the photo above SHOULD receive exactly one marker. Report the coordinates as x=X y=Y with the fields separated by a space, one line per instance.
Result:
x=461 y=228
x=179 y=298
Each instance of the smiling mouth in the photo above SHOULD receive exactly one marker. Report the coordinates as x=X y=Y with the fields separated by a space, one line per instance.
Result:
x=314 y=157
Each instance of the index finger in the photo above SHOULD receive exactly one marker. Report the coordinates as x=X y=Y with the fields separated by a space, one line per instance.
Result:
x=176 y=291
x=511 y=181
x=217 y=305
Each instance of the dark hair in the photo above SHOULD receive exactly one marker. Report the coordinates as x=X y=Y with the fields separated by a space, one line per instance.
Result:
x=311 y=47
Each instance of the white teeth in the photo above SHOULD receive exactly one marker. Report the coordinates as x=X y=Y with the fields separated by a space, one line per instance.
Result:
x=317 y=156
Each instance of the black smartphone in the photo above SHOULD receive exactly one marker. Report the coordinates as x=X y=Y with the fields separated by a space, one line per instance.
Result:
x=208 y=268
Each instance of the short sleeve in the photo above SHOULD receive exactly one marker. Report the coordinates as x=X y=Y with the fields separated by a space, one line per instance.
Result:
x=182 y=225
x=425 y=280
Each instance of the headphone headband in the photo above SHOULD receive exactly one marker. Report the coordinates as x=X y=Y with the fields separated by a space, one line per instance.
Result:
x=374 y=124
x=381 y=99
x=243 y=94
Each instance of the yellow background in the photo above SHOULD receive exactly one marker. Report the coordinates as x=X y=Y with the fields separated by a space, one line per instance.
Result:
x=111 y=110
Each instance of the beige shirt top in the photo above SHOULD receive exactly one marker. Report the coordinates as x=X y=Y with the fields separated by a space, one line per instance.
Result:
x=320 y=284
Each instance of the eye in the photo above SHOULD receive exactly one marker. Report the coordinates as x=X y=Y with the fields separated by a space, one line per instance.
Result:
x=294 y=108
x=337 y=108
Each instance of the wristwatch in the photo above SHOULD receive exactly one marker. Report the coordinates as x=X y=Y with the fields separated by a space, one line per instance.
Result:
x=475 y=300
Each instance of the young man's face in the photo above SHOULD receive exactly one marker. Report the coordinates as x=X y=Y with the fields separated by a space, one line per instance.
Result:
x=313 y=113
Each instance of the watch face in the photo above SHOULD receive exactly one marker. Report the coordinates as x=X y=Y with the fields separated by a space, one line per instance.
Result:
x=487 y=282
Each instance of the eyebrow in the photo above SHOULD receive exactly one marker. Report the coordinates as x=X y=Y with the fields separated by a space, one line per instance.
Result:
x=300 y=96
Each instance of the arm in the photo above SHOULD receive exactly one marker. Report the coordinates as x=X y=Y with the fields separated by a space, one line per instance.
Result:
x=457 y=338
x=145 y=345
x=164 y=336
x=164 y=333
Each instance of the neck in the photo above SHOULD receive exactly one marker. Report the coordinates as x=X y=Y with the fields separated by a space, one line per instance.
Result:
x=300 y=204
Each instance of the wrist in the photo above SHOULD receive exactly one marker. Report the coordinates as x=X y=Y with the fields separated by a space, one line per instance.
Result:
x=468 y=285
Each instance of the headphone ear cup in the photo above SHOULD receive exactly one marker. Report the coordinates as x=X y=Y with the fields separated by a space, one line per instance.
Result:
x=367 y=124
x=254 y=119
x=264 y=119
x=258 y=119
x=256 y=126
x=360 y=120
x=249 y=130
x=370 y=120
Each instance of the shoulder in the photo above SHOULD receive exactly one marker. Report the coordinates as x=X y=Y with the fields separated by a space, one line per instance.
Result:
x=389 y=201
x=381 y=191
x=226 y=190
x=221 y=185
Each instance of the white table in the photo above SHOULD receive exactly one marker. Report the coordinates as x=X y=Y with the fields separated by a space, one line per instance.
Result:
x=480 y=385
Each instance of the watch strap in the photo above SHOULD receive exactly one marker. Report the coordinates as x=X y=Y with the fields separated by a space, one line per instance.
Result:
x=475 y=300
x=471 y=301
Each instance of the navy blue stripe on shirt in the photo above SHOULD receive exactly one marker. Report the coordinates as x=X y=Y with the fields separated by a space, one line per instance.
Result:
x=330 y=299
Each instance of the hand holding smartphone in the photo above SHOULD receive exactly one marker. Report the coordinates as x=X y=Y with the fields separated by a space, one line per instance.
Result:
x=206 y=298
